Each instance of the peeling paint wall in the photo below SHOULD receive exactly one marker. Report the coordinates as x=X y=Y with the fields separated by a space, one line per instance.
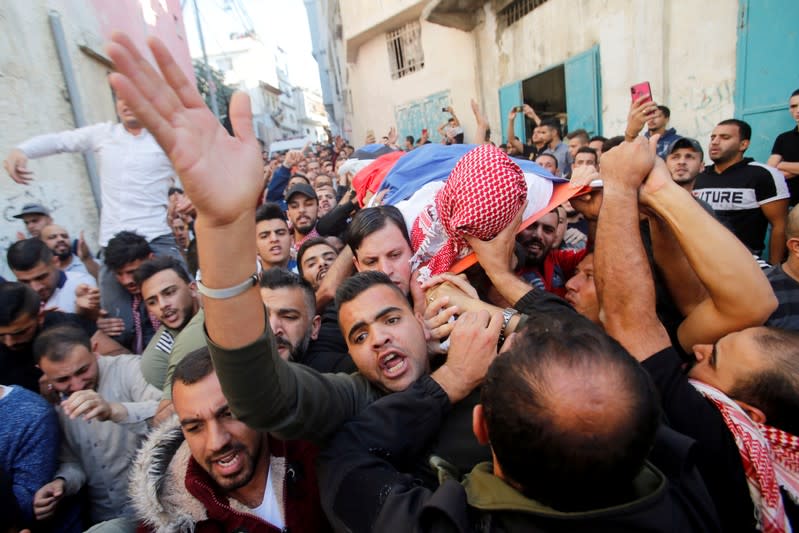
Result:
x=449 y=59
x=35 y=99
x=685 y=49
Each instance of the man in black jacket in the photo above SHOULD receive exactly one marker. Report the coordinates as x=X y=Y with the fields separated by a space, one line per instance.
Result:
x=570 y=417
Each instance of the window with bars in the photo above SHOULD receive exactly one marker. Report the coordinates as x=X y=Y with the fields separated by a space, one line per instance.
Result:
x=405 y=54
x=517 y=9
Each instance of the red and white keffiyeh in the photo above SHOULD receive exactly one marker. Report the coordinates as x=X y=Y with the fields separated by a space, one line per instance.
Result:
x=482 y=195
x=770 y=458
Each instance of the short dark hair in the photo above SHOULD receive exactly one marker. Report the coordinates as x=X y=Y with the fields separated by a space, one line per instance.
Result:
x=126 y=247
x=55 y=343
x=17 y=300
x=153 y=266
x=775 y=391
x=353 y=286
x=744 y=129
x=372 y=219
x=569 y=462
x=301 y=176
x=795 y=93
x=665 y=110
x=314 y=241
x=598 y=138
x=269 y=211
x=280 y=278
x=552 y=123
x=555 y=159
x=27 y=253
x=409 y=138
x=581 y=133
x=612 y=143
x=174 y=190
x=588 y=150
x=196 y=365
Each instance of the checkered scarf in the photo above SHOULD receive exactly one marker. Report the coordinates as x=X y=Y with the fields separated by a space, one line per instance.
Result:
x=482 y=195
x=770 y=458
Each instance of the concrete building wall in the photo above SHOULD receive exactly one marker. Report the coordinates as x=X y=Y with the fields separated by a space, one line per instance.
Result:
x=687 y=51
x=35 y=98
x=449 y=64
x=689 y=62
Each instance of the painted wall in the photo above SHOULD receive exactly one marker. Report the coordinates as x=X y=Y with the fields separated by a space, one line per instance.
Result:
x=35 y=97
x=689 y=61
x=449 y=64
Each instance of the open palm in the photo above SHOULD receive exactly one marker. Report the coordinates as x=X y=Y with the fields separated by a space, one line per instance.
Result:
x=221 y=173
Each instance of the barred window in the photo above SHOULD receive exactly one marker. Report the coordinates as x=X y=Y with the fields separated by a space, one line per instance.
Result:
x=517 y=9
x=405 y=54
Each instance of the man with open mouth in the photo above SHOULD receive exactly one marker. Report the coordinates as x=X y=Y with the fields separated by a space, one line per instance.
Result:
x=215 y=473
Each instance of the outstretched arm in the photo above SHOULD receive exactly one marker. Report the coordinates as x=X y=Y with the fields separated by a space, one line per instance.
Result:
x=221 y=174
x=737 y=296
x=482 y=124
x=623 y=278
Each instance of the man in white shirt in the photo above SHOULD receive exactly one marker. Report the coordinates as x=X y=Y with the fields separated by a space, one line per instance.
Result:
x=33 y=264
x=135 y=174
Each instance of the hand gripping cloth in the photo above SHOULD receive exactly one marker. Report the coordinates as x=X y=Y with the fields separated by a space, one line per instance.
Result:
x=482 y=195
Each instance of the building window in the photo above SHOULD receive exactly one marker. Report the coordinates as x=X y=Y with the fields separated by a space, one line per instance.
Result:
x=405 y=54
x=517 y=9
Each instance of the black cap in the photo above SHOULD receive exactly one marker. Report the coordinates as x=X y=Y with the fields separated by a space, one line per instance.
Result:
x=686 y=142
x=33 y=209
x=303 y=189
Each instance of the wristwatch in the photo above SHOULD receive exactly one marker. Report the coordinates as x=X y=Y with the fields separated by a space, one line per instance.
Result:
x=507 y=314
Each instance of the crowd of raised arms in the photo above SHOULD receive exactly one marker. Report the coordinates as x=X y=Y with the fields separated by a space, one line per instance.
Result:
x=554 y=334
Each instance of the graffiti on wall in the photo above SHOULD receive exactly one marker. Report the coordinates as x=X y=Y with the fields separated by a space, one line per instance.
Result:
x=704 y=107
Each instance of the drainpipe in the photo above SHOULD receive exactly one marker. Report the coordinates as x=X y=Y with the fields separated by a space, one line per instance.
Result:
x=75 y=100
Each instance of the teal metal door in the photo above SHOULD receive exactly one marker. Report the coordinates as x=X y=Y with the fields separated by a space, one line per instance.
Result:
x=417 y=115
x=767 y=72
x=510 y=96
x=583 y=92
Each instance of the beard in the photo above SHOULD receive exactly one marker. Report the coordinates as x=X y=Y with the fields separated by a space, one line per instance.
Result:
x=244 y=475
x=63 y=255
x=295 y=351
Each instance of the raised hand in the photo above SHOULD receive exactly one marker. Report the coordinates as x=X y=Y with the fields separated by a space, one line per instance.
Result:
x=84 y=252
x=626 y=166
x=222 y=174
x=292 y=158
x=640 y=111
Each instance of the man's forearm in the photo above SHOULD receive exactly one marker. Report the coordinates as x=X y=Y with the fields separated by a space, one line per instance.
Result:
x=717 y=257
x=683 y=284
x=237 y=321
x=625 y=288
x=791 y=168
x=777 y=244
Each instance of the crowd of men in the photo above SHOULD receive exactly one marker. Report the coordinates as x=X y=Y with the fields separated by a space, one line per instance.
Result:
x=250 y=349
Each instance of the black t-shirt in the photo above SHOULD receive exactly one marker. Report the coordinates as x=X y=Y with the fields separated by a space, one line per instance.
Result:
x=17 y=367
x=787 y=146
x=718 y=459
x=737 y=194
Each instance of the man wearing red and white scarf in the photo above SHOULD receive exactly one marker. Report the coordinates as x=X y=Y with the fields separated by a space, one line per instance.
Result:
x=740 y=404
